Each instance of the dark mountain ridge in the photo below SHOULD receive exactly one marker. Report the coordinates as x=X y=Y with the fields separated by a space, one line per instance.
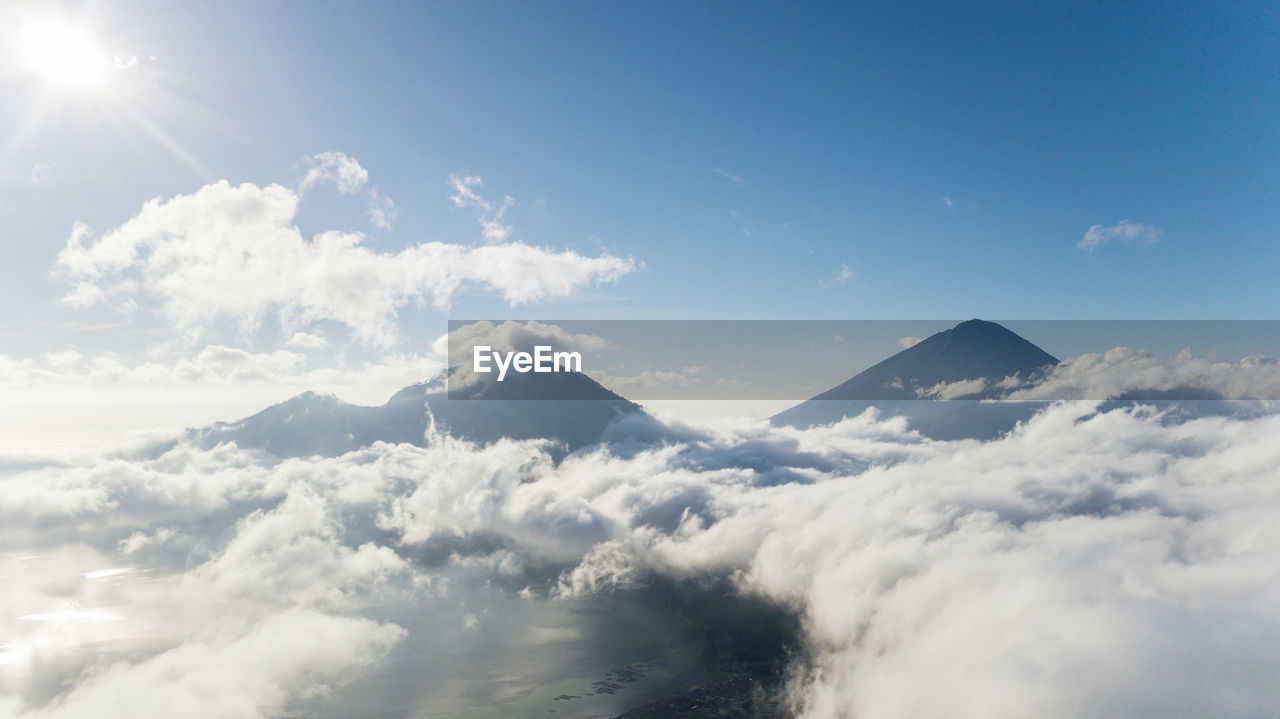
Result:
x=975 y=349
x=899 y=386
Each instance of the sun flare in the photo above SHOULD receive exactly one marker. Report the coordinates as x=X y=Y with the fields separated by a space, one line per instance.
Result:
x=64 y=55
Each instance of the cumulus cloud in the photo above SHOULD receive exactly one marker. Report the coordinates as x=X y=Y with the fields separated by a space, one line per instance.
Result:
x=307 y=341
x=909 y=342
x=1122 y=370
x=235 y=254
x=232 y=671
x=1125 y=231
x=512 y=335
x=1100 y=563
x=336 y=167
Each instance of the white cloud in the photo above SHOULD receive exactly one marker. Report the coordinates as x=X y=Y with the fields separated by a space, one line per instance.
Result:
x=909 y=342
x=291 y=554
x=232 y=672
x=307 y=341
x=336 y=167
x=1125 y=231
x=233 y=253
x=952 y=390
x=382 y=211
x=948 y=202
x=84 y=294
x=1121 y=369
x=842 y=276
x=40 y=173
x=491 y=215
x=732 y=178
x=1088 y=564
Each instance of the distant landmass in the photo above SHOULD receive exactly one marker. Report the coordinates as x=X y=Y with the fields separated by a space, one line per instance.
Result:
x=963 y=365
x=971 y=350
x=317 y=424
x=907 y=385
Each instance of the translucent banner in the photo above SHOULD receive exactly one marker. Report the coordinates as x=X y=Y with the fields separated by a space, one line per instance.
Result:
x=864 y=359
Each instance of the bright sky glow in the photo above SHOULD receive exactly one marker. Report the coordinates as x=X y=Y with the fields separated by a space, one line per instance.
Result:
x=65 y=56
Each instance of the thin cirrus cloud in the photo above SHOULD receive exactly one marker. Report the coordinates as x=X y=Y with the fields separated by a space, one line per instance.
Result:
x=382 y=210
x=842 y=276
x=1124 y=231
x=234 y=253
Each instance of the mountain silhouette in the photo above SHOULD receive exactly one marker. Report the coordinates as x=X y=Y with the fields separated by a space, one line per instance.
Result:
x=317 y=424
x=971 y=350
x=910 y=382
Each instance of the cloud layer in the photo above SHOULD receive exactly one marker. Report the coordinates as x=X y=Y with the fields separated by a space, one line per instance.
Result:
x=1099 y=564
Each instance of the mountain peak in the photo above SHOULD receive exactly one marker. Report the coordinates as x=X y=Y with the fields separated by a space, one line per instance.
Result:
x=974 y=349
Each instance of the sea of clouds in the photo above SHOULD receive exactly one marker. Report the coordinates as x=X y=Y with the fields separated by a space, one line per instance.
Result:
x=1091 y=563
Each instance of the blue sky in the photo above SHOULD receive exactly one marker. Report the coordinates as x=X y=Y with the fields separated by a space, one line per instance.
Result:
x=754 y=160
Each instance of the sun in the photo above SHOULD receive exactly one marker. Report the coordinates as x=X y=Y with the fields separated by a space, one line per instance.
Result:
x=64 y=55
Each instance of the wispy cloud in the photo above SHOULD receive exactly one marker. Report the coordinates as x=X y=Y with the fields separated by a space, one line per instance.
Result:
x=732 y=178
x=1125 y=231
x=948 y=202
x=307 y=341
x=493 y=228
x=842 y=276
x=39 y=173
x=382 y=211
x=335 y=167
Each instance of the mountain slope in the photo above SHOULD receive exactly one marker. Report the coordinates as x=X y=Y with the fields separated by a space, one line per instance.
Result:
x=975 y=349
x=314 y=424
x=971 y=350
